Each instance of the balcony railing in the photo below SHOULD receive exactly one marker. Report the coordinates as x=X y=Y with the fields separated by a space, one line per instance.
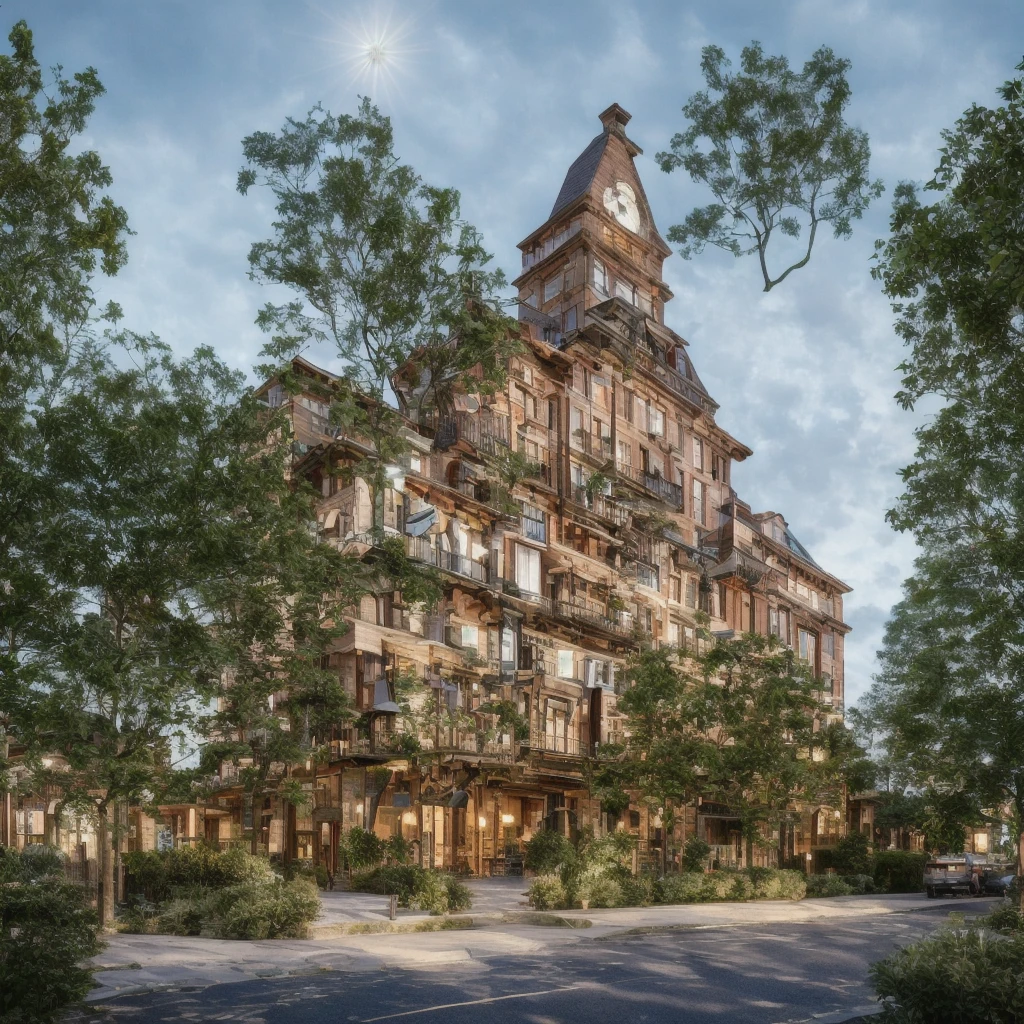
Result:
x=554 y=743
x=479 y=429
x=593 y=613
x=421 y=550
x=664 y=489
x=601 y=505
x=595 y=445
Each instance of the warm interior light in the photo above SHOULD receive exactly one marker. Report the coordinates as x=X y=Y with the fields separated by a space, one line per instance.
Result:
x=507 y=819
x=482 y=821
x=409 y=817
x=359 y=808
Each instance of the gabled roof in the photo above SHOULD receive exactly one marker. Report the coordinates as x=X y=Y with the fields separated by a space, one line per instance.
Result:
x=580 y=175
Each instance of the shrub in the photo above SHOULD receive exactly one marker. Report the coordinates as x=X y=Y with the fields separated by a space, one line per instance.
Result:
x=460 y=898
x=827 y=885
x=46 y=931
x=772 y=884
x=695 y=854
x=962 y=976
x=636 y=892
x=899 y=871
x=547 y=851
x=718 y=885
x=1006 y=918
x=417 y=888
x=860 y=884
x=684 y=888
x=548 y=893
x=600 y=890
x=852 y=855
x=257 y=910
x=41 y=861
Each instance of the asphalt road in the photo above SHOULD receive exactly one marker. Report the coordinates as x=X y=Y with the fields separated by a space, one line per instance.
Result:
x=784 y=973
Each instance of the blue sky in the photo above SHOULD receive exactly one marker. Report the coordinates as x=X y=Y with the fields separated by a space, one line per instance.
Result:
x=497 y=100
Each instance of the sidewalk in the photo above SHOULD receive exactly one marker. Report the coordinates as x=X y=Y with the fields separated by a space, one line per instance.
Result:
x=139 y=963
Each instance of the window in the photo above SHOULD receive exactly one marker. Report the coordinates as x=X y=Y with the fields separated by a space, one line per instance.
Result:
x=625 y=454
x=698 y=501
x=600 y=277
x=598 y=673
x=624 y=290
x=530 y=300
x=698 y=453
x=552 y=288
x=275 y=396
x=673 y=634
x=627 y=406
x=569 y=320
x=508 y=645
x=576 y=427
x=528 y=569
x=566 y=669
x=655 y=421
x=676 y=589
x=828 y=644
x=534 y=523
x=470 y=637
x=773 y=622
x=647 y=576
x=579 y=478
x=691 y=592
x=808 y=645
x=645 y=303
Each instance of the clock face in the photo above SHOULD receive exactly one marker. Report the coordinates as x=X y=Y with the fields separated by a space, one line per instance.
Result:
x=620 y=202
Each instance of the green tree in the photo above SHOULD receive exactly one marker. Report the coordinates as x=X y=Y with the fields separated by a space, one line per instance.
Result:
x=949 y=699
x=385 y=270
x=773 y=147
x=57 y=231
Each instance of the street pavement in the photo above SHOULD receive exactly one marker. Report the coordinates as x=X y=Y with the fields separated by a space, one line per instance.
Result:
x=765 y=974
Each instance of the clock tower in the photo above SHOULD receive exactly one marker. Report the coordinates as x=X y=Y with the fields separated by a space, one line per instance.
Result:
x=600 y=241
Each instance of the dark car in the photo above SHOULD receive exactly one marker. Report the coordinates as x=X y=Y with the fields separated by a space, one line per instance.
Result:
x=997 y=885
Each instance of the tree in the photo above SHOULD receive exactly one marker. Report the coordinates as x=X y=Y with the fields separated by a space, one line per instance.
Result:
x=58 y=231
x=949 y=698
x=178 y=488
x=384 y=269
x=774 y=149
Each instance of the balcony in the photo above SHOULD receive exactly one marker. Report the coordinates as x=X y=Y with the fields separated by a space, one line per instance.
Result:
x=653 y=483
x=593 y=613
x=465 y=741
x=480 y=430
x=421 y=550
x=602 y=506
x=554 y=743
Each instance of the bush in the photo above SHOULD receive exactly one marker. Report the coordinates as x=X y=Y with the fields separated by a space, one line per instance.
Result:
x=417 y=888
x=899 y=871
x=600 y=890
x=548 y=893
x=852 y=855
x=771 y=884
x=547 y=851
x=1007 y=919
x=637 y=892
x=695 y=854
x=46 y=931
x=684 y=888
x=957 y=977
x=718 y=885
x=363 y=849
x=257 y=910
x=860 y=884
x=161 y=876
x=827 y=885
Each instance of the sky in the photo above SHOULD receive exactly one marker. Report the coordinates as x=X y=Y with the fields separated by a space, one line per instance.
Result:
x=497 y=100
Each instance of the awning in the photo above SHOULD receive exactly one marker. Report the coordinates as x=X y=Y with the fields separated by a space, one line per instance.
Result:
x=382 y=698
x=419 y=523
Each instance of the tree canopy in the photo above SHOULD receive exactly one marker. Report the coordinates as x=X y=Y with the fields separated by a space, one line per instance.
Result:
x=774 y=148
x=950 y=695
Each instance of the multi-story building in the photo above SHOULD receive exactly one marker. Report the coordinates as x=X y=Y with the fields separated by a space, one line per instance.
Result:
x=621 y=526
x=480 y=718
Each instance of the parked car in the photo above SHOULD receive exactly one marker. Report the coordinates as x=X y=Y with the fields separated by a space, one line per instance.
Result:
x=997 y=885
x=960 y=873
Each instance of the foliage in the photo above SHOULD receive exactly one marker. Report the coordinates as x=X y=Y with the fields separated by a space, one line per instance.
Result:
x=695 y=854
x=261 y=910
x=599 y=890
x=860 y=885
x=158 y=875
x=383 y=269
x=363 y=848
x=827 y=885
x=417 y=888
x=774 y=149
x=47 y=930
x=547 y=893
x=960 y=976
x=636 y=891
x=1006 y=918
x=546 y=851
x=852 y=854
x=898 y=871
x=686 y=887
x=949 y=700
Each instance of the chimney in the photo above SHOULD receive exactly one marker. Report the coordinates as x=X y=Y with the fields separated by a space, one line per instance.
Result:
x=615 y=119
